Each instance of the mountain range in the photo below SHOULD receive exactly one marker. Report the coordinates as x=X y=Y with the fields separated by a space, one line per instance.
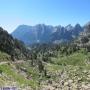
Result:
x=42 y=33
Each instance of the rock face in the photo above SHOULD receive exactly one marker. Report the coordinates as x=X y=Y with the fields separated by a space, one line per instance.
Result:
x=84 y=38
x=33 y=34
x=46 y=33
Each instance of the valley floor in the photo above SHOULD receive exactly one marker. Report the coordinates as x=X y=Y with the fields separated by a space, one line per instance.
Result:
x=71 y=76
x=59 y=77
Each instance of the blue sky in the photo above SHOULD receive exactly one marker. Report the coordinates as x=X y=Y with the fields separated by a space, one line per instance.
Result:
x=53 y=12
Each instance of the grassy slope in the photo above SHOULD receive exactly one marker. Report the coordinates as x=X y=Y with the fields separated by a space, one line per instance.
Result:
x=76 y=59
x=9 y=73
x=74 y=65
x=4 y=57
x=15 y=76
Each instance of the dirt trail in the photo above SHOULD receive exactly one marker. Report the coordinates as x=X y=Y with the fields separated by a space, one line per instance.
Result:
x=16 y=62
x=1 y=63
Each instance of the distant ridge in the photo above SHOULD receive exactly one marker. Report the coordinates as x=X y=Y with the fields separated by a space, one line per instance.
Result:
x=42 y=33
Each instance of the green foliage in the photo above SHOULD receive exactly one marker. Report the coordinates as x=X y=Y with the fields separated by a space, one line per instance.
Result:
x=4 y=57
x=84 y=39
x=74 y=59
x=13 y=47
x=40 y=66
x=6 y=42
x=7 y=69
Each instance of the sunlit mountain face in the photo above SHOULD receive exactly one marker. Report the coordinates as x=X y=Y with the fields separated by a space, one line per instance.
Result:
x=46 y=33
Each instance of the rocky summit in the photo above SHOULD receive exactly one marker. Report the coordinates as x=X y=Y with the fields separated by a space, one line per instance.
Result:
x=42 y=33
